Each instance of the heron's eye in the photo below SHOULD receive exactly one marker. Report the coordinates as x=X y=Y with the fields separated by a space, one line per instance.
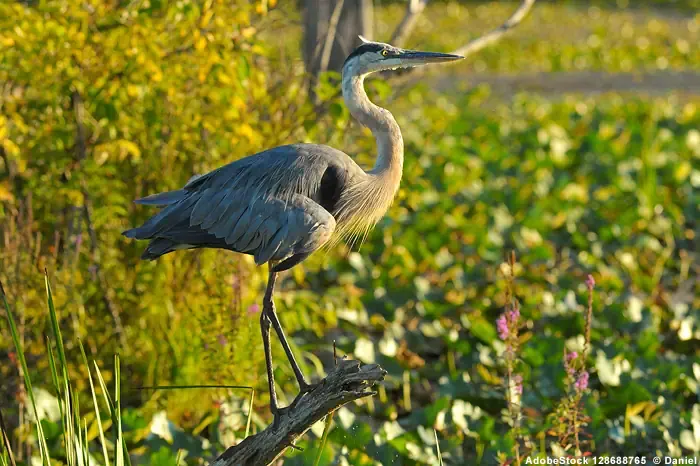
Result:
x=385 y=53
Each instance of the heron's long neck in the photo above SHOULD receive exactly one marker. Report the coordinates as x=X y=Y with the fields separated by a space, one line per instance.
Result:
x=381 y=122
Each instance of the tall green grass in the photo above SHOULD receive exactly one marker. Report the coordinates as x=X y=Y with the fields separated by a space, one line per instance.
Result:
x=75 y=447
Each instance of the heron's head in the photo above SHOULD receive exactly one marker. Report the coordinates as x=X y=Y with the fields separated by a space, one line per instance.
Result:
x=371 y=57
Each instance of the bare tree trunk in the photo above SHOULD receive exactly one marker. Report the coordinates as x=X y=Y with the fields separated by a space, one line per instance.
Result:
x=334 y=34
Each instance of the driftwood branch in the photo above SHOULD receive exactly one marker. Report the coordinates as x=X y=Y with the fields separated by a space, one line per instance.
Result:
x=348 y=381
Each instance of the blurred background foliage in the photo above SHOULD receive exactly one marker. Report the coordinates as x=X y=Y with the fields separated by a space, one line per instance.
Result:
x=105 y=101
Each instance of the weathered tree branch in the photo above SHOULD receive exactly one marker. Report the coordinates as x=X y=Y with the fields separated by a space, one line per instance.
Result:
x=495 y=35
x=473 y=46
x=347 y=382
x=330 y=35
x=405 y=27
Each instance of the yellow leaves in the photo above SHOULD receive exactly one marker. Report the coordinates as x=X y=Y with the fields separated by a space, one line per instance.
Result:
x=6 y=41
x=10 y=147
x=202 y=74
x=224 y=78
x=575 y=192
x=132 y=90
x=231 y=114
x=200 y=43
x=238 y=103
x=5 y=194
x=242 y=17
x=531 y=237
x=487 y=375
x=646 y=410
x=682 y=171
x=605 y=193
x=206 y=18
x=122 y=148
x=245 y=130
x=248 y=32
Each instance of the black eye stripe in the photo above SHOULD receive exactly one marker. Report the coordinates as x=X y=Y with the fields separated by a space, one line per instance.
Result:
x=366 y=48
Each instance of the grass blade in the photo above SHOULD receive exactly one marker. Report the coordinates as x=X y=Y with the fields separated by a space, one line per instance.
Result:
x=324 y=437
x=86 y=450
x=250 y=413
x=122 y=453
x=56 y=329
x=105 y=392
x=68 y=434
x=437 y=444
x=43 y=448
x=54 y=375
x=7 y=456
x=100 y=428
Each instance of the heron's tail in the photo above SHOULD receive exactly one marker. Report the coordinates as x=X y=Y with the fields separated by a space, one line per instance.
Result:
x=171 y=215
x=163 y=199
x=161 y=246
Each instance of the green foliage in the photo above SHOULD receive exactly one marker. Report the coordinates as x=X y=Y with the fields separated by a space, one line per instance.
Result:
x=105 y=104
x=563 y=36
x=69 y=439
x=564 y=184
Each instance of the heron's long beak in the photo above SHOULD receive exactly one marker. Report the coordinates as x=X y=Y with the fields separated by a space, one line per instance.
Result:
x=413 y=57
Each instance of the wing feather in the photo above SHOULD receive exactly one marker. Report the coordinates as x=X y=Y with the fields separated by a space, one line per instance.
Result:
x=273 y=228
x=203 y=207
x=241 y=225
x=215 y=214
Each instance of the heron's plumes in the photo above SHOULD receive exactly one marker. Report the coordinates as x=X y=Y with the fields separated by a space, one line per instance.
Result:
x=363 y=204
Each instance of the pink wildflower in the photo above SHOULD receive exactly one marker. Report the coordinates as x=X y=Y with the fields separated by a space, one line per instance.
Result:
x=582 y=381
x=502 y=325
x=590 y=282
x=222 y=340
x=253 y=309
x=513 y=316
x=571 y=356
x=518 y=381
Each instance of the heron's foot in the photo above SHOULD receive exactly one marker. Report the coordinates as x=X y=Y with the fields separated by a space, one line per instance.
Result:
x=278 y=413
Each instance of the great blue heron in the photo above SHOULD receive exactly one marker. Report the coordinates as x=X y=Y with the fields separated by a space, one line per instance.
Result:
x=282 y=204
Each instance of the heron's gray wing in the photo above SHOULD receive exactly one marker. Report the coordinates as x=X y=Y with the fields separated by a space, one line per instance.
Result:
x=267 y=228
x=279 y=172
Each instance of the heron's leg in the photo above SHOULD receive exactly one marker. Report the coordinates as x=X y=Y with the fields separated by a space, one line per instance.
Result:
x=304 y=386
x=265 y=329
